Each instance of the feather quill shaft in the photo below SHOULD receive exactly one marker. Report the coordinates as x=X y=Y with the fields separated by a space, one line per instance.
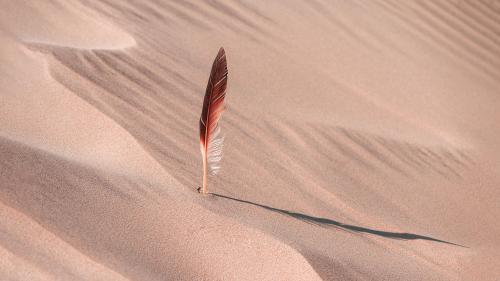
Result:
x=211 y=141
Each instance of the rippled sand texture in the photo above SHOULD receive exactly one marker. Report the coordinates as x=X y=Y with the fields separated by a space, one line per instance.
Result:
x=361 y=140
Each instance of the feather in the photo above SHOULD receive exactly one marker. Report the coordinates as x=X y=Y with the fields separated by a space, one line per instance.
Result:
x=211 y=140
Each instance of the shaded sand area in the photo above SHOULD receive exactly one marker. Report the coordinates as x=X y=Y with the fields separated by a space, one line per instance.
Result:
x=361 y=140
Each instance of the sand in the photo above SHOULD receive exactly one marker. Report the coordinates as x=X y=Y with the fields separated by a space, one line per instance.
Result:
x=361 y=140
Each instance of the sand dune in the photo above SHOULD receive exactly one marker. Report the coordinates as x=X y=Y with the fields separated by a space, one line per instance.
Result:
x=361 y=140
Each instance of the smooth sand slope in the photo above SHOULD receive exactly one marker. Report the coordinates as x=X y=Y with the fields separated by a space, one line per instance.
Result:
x=361 y=140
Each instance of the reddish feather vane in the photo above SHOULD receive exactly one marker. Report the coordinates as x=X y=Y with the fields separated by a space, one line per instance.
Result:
x=213 y=105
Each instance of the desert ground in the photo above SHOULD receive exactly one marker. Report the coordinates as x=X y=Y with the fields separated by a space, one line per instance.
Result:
x=361 y=140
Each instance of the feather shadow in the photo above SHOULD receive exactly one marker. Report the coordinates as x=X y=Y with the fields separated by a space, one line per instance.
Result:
x=348 y=227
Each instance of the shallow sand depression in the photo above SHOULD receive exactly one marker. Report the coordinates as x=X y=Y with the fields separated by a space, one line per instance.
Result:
x=361 y=140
